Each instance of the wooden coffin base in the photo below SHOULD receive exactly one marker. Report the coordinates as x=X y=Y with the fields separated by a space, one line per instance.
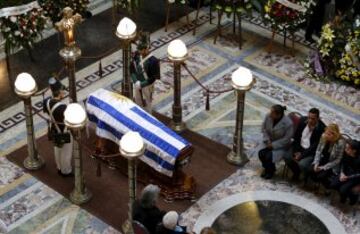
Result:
x=178 y=187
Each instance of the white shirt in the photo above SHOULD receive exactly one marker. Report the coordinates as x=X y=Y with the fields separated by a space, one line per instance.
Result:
x=305 y=137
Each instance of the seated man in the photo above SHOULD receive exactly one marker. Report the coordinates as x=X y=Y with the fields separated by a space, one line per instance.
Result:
x=145 y=210
x=349 y=176
x=328 y=155
x=306 y=140
x=277 y=131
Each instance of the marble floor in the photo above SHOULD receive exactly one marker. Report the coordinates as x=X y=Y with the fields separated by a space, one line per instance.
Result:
x=28 y=206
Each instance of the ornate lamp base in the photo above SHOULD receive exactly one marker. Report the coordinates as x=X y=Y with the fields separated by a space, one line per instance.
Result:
x=33 y=164
x=70 y=53
x=127 y=228
x=177 y=127
x=237 y=159
x=79 y=198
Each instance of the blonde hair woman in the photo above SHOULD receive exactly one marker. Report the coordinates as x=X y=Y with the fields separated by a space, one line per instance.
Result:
x=328 y=155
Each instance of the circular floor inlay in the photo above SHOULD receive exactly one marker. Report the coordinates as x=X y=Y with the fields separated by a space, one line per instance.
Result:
x=268 y=212
x=268 y=217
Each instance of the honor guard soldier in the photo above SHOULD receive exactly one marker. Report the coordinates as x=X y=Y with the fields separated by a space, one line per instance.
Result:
x=144 y=70
x=57 y=131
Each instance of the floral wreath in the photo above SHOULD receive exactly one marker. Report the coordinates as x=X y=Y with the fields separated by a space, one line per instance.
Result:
x=282 y=17
x=338 y=52
x=233 y=6
x=22 y=30
x=53 y=9
x=349 y=63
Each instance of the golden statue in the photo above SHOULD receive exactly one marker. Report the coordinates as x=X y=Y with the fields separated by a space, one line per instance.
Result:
x=67 y=25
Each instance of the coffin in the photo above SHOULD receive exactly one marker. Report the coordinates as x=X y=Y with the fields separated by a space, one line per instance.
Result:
x=166 y=152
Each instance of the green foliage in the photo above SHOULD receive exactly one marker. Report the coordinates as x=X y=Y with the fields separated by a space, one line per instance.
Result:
x=53 y=9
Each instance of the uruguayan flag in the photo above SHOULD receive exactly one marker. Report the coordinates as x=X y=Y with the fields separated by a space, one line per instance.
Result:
x=114 y=115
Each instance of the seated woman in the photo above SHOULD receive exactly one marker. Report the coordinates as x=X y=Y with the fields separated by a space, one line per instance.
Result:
x=328 y=156
x=170 y=224
x=349 y=176
x=277 y=131
x=145 y=210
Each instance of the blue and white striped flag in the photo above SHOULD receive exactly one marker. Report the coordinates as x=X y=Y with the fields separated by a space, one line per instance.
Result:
x=114 y=115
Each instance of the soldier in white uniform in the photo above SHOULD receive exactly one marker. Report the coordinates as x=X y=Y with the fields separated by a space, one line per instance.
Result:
x=144 y=70
x=58 y=133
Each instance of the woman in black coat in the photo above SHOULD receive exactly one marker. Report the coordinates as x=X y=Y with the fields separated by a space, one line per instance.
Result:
x=145 y=210
x=349 y=176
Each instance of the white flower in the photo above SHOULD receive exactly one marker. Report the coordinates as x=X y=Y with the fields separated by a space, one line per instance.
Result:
x=348 y=48
x=13 y=19
x=357 y=22
x=171 y=1
x=17 y=33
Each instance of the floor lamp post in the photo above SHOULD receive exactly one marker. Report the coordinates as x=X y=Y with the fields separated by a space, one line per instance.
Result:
x=70 y=53
x=126 y=32
x=75 y=120
x=177 y=53
x=242 y=81
x=25 y=87
x=131 y=147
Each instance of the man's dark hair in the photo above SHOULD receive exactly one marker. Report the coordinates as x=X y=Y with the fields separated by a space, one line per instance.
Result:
x=56 y=93
x=315 y=111
x=279 y=110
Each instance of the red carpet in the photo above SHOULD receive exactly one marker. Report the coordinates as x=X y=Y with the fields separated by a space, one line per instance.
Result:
x=110 y=191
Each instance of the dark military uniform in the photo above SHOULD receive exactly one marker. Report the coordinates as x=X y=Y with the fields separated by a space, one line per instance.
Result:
x=144 y=72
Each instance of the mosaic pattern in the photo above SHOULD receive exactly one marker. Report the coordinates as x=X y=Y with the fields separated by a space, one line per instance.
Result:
x=9 y=172
x=268 y=217
x=292 y=69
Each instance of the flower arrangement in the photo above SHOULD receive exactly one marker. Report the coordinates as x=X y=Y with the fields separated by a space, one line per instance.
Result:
x=22 y=30
x=53 y=9
x=234 y=6
x=177 y=1
x=338 y=54
x=130 y=5
x=349 y=63
x=282 y=17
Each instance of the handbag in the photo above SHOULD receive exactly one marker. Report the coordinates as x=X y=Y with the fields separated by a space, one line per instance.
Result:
x=58 y=137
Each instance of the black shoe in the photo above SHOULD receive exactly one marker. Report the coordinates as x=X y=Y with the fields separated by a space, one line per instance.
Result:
x=353 y=202
x=263 y=174
x=295 y=178
x=309 y=39
x=268 y=176
x=67 y=175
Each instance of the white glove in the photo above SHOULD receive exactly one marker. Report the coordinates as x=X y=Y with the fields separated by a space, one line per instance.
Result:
x=138 y=85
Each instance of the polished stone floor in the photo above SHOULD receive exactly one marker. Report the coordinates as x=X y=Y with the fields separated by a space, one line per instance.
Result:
x=28 y=206
x=260 y=217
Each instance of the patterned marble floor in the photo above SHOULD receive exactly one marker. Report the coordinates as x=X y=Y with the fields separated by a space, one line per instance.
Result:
x=28 y=206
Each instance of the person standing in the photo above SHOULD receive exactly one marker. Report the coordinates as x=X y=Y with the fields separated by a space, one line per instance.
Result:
x=316 y=20
x=306 y=140
x=144 y=71
x=342 y=6
x=328 y=156
x=349 y=176
x=58 y=133
x=277 y=132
